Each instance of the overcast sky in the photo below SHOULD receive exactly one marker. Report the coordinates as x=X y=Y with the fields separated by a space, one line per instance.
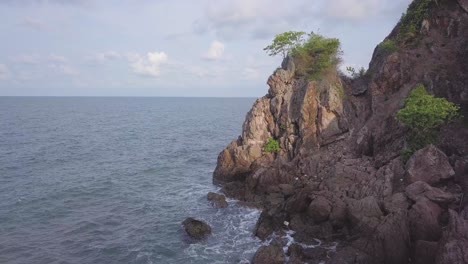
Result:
x=170 y=47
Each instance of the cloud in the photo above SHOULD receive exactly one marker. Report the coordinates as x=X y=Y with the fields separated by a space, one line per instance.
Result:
x=215 y=52
x=148 y=65
x=103 y=57
x=33 y=24
x=47 y=2
x=4 y=72
x=251 y=19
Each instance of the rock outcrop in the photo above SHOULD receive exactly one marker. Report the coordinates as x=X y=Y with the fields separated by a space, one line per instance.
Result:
x=339 y=175
x=196 y=229
x=217 y=200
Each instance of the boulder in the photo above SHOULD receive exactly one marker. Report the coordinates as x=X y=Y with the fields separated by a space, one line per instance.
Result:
x=319 y=209
x=265 y=226
x=421 y=190
x=217 y=200
x=272 y=254
x=364 y=214
x=429 y=165
x=423 y=219
x=453 y=247
x=196 y=229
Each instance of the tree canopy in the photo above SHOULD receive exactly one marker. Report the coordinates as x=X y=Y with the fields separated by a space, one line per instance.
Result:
x=285 y=42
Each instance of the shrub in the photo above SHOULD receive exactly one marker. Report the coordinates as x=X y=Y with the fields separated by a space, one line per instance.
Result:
x=410 y=23
x=423 y=114
x=388 y=46
x=272 y=146
x=316 y=55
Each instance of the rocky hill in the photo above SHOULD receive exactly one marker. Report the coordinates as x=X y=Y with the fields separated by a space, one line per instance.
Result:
x=339 y=175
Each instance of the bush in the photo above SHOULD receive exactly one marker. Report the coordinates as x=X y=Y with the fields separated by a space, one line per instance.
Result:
x=272 y=146
x=388 y=46
x=423 y=114
x=356 y=74
x=410 y=23
x=316 y=55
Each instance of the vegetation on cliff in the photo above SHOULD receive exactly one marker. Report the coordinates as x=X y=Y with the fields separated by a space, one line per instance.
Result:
x=272 y=146
x=423 y=114
x=312 y=56
x=411 y=21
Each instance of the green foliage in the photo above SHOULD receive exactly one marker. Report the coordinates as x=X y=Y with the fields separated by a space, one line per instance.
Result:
x=354 y=74
x=423 y=114
x=272 y=146
x=388 y=46
x=285 y=43
x=410 y=23
x=316 y=55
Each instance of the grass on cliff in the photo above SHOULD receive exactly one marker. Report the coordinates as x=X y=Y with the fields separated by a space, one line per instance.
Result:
x=272 y=146
x=388 y=46
x=424 y=114
x=316 y=55
x=411 y=21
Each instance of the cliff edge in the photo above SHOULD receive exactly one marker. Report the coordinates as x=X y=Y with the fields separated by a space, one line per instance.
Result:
x=339 y=175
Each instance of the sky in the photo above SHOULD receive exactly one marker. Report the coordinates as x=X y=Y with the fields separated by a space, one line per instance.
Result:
x=190 y=48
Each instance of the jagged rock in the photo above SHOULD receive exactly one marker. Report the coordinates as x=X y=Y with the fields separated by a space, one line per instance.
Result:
x=421 y=190
x=396 y=203
x=425 y=252
x=272 y=254
x=217 y=200
x=319 y=209
x=364 y=214
x=340 y=140
x=429 y=165
x=265 y=226
x=453 y=247
x=423 y=217
x=196 y=229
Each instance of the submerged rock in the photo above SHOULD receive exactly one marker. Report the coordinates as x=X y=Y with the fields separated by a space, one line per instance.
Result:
x=196 y=229
x=217 y=200
x=272 y=254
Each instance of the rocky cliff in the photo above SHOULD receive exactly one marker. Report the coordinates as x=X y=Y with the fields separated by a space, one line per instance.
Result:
x=339 y=175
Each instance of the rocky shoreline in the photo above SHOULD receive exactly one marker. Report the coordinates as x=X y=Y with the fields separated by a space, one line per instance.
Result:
x=340 y=177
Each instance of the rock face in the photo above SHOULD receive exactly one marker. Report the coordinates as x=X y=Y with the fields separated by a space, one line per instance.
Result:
x=196 y=229
x=339 y=175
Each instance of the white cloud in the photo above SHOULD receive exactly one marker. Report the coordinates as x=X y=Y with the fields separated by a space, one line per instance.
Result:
x=4 y=72
x=33 y=23
x=215 y=52
x=27 y=59
x=250 y=74
x=148 y=65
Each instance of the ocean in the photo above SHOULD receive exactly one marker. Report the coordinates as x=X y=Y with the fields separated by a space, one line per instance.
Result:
x=109 y=180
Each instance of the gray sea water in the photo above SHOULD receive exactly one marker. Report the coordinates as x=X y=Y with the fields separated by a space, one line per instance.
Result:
x=109 y=180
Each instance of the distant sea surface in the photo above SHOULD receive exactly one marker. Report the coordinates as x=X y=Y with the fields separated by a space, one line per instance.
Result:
x=109 y=180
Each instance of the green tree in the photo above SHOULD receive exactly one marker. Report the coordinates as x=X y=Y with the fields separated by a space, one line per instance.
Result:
x=285 y=43
x=316 y=55
x=424 y=114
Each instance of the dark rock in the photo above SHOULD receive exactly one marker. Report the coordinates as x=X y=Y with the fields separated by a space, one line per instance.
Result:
x=421 y=190
x=272 y=254
x=423 y=218
x=196 y=229
x=319 y=209
x=265 y=226
x=364 y=214
x=286 y=189
x=453 y=247
x=317 y=253
x=425 y=252
x=217 y=200
x=396 y=203
x=429 y=165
